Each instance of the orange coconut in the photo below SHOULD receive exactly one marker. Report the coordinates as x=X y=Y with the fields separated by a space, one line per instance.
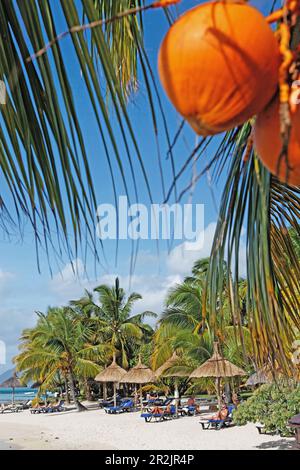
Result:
x=219 y=65
x=268 y=144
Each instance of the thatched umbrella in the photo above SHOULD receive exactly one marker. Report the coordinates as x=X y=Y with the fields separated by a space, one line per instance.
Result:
x=112 y=373
x=164 y=371
x=13 y=382
x=266 y=375
x=217 y=367
x=262 y=376
x=139 y=374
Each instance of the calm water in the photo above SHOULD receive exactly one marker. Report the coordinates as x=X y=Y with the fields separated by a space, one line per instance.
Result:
x=21 y=394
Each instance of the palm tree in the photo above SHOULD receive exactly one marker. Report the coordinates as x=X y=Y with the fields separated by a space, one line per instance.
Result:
x=41 y=137
x=194 y=349
x=185 y=302
x=182 y=327
x=59 y=344
x=115 y=322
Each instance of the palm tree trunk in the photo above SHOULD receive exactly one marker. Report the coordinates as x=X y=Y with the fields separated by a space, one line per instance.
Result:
x=227 y=390
x=218 y=388
x=176 y=393
x=79 y=405
x=141 y=398
x=115 y=394
x=104 y=391
x=67 y=390
x=87 y=390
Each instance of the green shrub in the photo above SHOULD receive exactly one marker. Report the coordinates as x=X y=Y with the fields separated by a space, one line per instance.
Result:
x=272 y=405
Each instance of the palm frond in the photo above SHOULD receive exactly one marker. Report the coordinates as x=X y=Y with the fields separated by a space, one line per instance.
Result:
x=255 y=201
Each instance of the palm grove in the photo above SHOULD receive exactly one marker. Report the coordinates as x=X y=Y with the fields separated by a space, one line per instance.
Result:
x=42 y=136
x=70 y=345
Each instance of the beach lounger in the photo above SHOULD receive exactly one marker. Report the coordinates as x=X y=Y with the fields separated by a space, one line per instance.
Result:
x=109 y=402
x=25 y=405
x=55 y=409
x=157 y=403
x=188 y=410
x=171 y=413
x=9 y=409
x=155 y=417
x=218 y=424
x=158 y=417
x=38 y=409
x=261 y=428
x=126 y=406
x=35 y=411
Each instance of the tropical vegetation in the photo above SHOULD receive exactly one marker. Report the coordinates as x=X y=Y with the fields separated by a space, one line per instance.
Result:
x=42 y=136
x=183 y=328
x=272 y=405
x=70 y=345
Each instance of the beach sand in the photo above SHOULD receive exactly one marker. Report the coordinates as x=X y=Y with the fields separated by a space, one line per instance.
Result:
x=96 y=430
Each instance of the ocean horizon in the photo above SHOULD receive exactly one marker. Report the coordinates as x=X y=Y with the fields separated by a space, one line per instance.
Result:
x=21 y=394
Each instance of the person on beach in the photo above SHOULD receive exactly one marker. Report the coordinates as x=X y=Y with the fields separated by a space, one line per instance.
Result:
x=221 y=414
x=38 y=406
x=157 y=410
x=192 y=402
x=235 y=399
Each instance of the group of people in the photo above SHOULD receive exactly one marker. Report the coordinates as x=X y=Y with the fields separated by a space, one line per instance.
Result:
x=222 y=413
x=47 y=407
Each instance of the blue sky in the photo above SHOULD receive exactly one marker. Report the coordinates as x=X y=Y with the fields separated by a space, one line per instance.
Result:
x=23 y=290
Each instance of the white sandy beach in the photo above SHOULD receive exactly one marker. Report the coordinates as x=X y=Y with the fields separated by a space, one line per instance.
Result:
x=96 y=430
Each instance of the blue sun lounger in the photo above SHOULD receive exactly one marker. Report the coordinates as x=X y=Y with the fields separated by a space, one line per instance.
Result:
x=126 y=406
x=158 y=417
x=218 y=424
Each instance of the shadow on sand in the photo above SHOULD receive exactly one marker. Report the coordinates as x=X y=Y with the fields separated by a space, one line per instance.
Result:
x=282 y=444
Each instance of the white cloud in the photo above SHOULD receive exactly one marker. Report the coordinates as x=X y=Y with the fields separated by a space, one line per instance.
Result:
x=182 y=258
x=13 y=321
x=70 y=282
x=6 y=284
x=5 y=276
x=153 y=290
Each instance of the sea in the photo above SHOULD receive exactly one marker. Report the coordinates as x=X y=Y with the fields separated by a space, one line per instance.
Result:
x=21 y=394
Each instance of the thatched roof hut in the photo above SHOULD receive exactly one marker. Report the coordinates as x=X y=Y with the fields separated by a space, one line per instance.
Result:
x=262 y=376
x=168 y=369
x=113 y=373
x=217 y=367
x=139 y=374
x=12 y=382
